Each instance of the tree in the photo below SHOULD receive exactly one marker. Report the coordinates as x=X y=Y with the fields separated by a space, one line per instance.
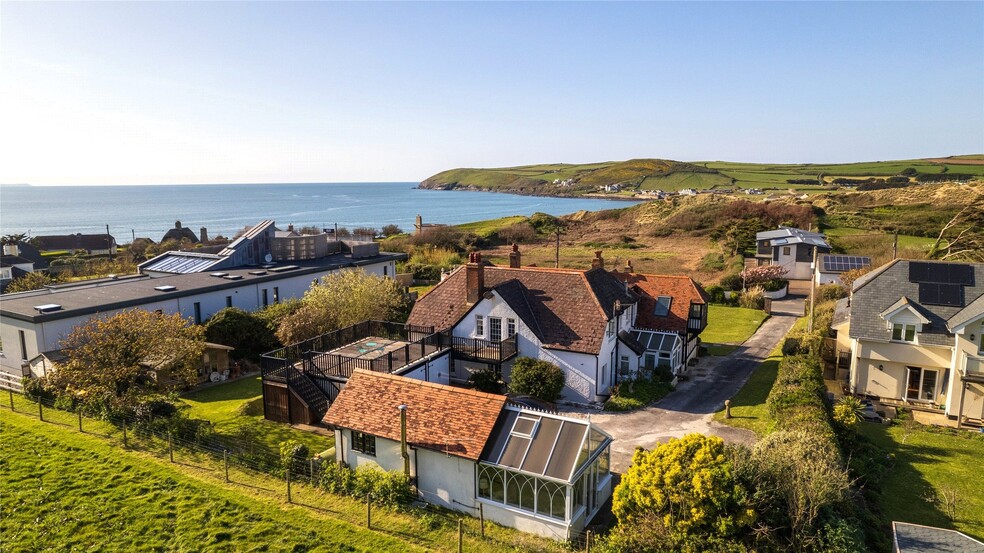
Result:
x=339 y=300
x=116 y=361
x=533 y=377
x=30 y=281
x=391 y=230
x=961 y=238
x=242 y=330
x=9 y=239
x=680 y=490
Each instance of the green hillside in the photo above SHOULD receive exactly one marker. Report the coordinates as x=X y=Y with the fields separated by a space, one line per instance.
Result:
x=564 y=179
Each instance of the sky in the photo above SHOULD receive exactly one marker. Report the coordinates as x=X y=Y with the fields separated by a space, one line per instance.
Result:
x=228 y=92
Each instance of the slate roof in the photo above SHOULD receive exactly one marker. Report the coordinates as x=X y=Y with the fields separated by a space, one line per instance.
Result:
x=915 y=538
x=973 y=310
x=79 y=241
x=567 y=309
x=682 y=289
x=884 y=287
x=29 y=252
x=441 y=418
x=11 y=260
x=842 y=312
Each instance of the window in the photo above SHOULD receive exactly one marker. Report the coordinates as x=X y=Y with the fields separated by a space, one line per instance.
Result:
x=23 y=345
x=276 y=294
x=265 y=301
x=624 y=364
x=385 y=270
x=650 y=361
x=228 y=301
x=495 y=329
x=922 y=384
x=510 y=327
x=904 y=332
x=198 y=313
x=610 y=330
x=662 y=306
x=785 y=250
x=479 y=325
x=365 y=443
x=980 y=339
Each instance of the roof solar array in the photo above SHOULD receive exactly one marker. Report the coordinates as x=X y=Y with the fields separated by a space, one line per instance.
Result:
x=941 y=273
x=933 y=293
x=842 y=263
x=181 y=264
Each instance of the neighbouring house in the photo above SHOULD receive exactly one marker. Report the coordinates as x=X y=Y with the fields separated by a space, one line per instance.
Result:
x=830 y=267
x=791 y=248
x=215 y=364
x=568 y=317
x=420 y=227
x=93 y=244
x=914 y=334
x=916 y=538
x=36 y=321
x=463 y=450
x=180 y=233
x=19 y=259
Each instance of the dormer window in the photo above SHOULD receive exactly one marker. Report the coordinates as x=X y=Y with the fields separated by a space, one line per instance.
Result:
x=902 y=332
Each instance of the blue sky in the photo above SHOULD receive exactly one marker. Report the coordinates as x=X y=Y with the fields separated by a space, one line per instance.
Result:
x=118 y=93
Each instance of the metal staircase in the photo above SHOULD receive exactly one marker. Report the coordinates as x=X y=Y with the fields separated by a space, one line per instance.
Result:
x=301 y=384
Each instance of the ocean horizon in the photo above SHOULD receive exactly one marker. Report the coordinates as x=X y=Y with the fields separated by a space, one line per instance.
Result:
x=150 y=210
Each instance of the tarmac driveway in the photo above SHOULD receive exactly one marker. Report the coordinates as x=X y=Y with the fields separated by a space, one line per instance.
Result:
x=691 y=405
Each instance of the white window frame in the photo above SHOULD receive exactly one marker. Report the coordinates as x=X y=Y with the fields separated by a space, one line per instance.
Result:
x=510 y=327
x=493 y=321
x=480 y=326
x=902 y=334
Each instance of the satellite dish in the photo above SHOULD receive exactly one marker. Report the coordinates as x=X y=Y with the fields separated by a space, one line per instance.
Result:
x=268 y=258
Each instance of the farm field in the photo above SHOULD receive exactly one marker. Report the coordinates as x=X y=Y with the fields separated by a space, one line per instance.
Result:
x=67 y=491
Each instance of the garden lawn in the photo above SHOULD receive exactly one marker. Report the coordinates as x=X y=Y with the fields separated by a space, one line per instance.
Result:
x=731 y=325
x=928 y=461
x=240 y=401
x=64 y=491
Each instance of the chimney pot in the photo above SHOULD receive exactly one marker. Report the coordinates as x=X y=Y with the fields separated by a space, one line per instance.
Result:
x=598 y=262
x=203 y=234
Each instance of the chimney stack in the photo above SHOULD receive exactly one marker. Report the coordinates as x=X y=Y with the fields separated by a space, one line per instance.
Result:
x=474 y=278
x=290 y=227
x=598 y=262
x=515 y=258
x=628 y=266
x=177 y=224
x=203 y=234
x=11 y=249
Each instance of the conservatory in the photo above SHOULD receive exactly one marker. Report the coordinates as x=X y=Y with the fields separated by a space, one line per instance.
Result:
x=658 y=349
x=544 y=473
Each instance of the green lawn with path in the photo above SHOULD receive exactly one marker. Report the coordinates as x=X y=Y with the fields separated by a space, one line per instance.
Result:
x=236 y=402
x=729 y=326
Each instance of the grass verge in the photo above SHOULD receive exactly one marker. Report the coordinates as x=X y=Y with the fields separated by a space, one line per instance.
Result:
x=641 y=394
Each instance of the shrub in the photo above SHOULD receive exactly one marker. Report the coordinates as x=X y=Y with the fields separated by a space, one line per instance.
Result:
x=293 y=454
x=848 y=411
x=716 y=294
x=754 y=298
x=830 y=292
x=391 y=230
x=389 y=488
x=732 y=282
x=775 y=284
x=247 y=332
x=712 y=262
x=486 y=380
x=540 y=379
x=763 y=274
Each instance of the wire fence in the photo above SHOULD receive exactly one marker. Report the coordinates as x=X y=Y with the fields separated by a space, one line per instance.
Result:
x=231 y=461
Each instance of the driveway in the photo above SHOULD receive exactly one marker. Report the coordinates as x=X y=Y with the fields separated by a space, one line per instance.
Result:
x=691 y=405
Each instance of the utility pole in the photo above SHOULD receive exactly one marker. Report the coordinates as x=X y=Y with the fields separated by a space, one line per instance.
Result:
x=895 y=246
x=813 y=278
x=557 y=254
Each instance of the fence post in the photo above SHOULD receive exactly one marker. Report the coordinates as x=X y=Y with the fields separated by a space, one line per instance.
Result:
x=124 y=433
x=368 y=512
x=80 y=422
x=40 y=410
x=289 y=500
x=481 y=518
x=170 y=447
x=225 y=461
x=311 y=469
x=587 y=542
x=460 y=533
x=11 y=393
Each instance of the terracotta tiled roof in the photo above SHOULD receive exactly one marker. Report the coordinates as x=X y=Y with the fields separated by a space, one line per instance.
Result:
x=567 y=309
x=682 y=289
x=441 y=418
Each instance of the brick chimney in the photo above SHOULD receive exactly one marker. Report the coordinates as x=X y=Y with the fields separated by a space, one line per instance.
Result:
x=474 y=278
x=598 y=262
x=628 y=266
x=203 y=234
x=515 y=258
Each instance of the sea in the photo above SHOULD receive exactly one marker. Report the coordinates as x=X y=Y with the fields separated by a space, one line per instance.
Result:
x=150 y=210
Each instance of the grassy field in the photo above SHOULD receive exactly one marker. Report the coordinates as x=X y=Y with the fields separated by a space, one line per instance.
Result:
x=238 y=402
x=928 y=461
x=66 y=491
x=487 y=227
x=731 y=325
x=680 y=180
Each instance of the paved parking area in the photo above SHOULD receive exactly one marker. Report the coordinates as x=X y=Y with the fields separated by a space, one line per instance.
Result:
x=691 y=405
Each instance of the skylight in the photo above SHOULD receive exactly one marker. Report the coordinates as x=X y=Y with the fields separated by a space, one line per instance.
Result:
x=662 y=308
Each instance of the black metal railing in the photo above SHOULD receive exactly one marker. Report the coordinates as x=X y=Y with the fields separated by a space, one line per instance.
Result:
x=481 y=350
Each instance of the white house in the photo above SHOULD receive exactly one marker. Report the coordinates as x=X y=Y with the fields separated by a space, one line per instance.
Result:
x=791 y=248
x=35 y=322
x=466 y=450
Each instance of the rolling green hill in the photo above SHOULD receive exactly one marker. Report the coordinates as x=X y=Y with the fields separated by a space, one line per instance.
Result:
x=563 y=179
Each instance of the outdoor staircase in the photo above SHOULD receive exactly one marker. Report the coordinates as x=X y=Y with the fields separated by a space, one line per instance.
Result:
x=303 y=386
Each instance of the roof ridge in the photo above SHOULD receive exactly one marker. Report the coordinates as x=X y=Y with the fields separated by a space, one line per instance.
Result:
x=594 y=296
x=435 y=385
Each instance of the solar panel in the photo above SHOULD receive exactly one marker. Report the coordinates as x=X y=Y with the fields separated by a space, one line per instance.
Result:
x=842 y=263
x=941 y=273
x=934 y=293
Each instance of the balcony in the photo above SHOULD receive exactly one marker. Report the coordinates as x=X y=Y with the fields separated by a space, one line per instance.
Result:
x=476 y=349
x=974 y=369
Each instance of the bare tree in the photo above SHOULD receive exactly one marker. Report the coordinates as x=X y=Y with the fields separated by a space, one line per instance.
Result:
x=962 y=238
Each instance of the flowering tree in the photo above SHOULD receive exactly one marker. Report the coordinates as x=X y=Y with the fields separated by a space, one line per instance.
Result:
x=763 y=274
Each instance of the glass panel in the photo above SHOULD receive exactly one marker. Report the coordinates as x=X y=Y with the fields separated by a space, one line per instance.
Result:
x=910 y=333
x=579 y=493
x=495 y=329
x=897 y=331
x=551 y=499
x=912 y=390
x=512 y=489
x=929 y=385
x=510 y=327
x=527 y=492
x=485 y=481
